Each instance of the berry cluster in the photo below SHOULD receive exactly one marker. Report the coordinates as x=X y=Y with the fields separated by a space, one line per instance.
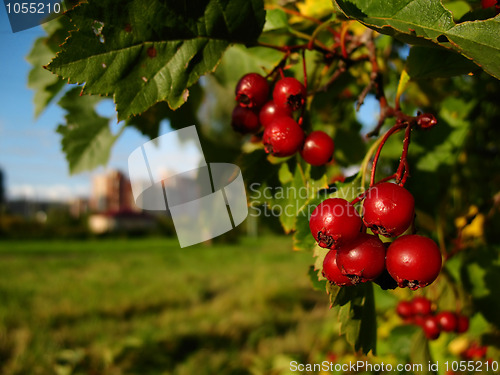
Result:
x=282 y=135
x=410 y=261
x=420 y=311
x=475 y=352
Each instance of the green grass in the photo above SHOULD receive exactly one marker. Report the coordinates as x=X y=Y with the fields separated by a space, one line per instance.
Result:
x=145 y=306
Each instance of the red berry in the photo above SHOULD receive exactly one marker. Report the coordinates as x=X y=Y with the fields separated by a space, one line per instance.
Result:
x=283 y=137
x=318 y=148
x=447 y=320
x=333 y=222
x=413 y=261
x=252 y=90
x=289 y=94
x=421 y=306
x=462 y=323
x=405 y=310
x=419 y=320
x=269 y=112
x=245 y=120
x=388 y=209
x=475 y=352
x=488 y=3
x=431 y=328
x=331 y=272
x=362 y=259
x=426 y=121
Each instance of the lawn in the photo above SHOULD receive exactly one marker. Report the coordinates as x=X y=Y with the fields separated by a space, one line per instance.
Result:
x=145 y=306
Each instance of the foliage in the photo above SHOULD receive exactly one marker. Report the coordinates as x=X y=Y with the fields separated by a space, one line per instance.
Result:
x=440 y=57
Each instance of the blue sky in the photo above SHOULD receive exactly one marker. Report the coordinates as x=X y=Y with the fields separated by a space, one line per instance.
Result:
x=30 y=151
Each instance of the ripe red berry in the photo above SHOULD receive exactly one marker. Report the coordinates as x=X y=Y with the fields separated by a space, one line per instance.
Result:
x=388 y=209
x=269 y=112
x=413 y=261
x=426 y=120
x=283 y=137
x=462 y=323
x=431 y=328
x=362 y=259
x=488 y=3
x=289 y=94
x=245 y=120
x=252 y=90
x=419 y=320
x=333 y=222
x=447 y=320
x=331 y=272
x=421 y=306
x=404 y=310
x=318 y=148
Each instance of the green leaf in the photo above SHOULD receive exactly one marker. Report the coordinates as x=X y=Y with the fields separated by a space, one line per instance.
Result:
x=317 y=284
x=412 y=21
x=420 y=353
x=297 y=189
x=276 y=19
x=458 y=8
x=45 y=84
x=399 y=341
x=145 y=51
x=478 y=41
x=255 y=59
x=87 y=139
x=449 y=135
x=481 y=277
x=148 y=123
x=357 y=316
x=425 y=63
x=427 y=23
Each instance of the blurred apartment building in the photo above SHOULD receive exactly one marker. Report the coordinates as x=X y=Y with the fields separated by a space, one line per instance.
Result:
x=112 y=192
x=112 y=205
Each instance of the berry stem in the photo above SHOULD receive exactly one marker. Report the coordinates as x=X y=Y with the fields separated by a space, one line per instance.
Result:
x=343 y=33
x=366 y=161
x=403 y=163
x=391 y=131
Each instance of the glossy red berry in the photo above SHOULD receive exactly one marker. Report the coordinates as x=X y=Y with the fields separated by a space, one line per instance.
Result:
x=462 y=323
x=362 y=259
x=388 y=209
x=421 y=306
x=269 y=112
x=334 y=222
x=488 y=3
x=245 y=120
x=331 y=272
x=289 y=94
x=318 y=148
x=413 y=261
x=447 y=321
x=431 y=327
x=283 y=137
x=426 y=120
x=252 y=90
x=404 y=310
